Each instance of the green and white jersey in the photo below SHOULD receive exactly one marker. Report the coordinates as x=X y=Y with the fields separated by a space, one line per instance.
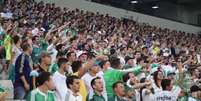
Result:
x=37 y=95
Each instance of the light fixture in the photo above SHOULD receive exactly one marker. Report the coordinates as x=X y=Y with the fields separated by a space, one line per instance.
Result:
x=155 y=7
x=134 y=1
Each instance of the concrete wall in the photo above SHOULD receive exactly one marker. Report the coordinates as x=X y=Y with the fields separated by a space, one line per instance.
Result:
x=116 y=12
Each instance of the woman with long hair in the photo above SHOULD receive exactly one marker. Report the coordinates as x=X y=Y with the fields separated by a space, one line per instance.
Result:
x=157 y=78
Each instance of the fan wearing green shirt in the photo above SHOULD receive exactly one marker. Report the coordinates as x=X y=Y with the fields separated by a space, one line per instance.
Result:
x=119 y=91
x=97 y=85
x=43 y=91
x=115 y=74
x=7 y=46
x=37 y=49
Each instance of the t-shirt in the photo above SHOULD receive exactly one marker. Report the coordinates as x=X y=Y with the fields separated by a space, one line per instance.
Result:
x=87 y=79
x=8 y=46
x=43 y=45
x=17 y=52
x=164 y=96
x=146 y=97
x=156 y=88
x=51 y=49
x=60 y=84
x=37 y=95
x=36 y=54
x=83 y=89
x=70 y=96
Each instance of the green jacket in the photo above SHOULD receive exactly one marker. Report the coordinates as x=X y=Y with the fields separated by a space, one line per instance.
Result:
x=95 y=97
x=37 y=95
x=113 y=75
x=116 y=98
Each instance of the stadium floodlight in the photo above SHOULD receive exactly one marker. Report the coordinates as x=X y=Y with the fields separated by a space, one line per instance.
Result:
x=155 y=7
x=134 y=1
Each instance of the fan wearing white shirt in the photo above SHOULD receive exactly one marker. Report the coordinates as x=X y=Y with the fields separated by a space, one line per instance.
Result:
x=59 y=79
x=146 y=92
x=157 y=78
x=93 y=73
x=16 y=50
x=166 y=94
x=73 y=84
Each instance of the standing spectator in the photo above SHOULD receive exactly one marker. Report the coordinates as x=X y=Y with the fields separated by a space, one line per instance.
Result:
x=16 y=51
x=7 y=42
x=59 y=79
x=132 y=85
x=23 y=67
x=54 y=67
x=89 y=76
x=43 y=91
x=195 y=91
x=146 y=92
x=97 y=85
x=73 y=84
x=166 y=94
x=71 y=56
x=104 y=65
x=45 y=61
x=78 y=70
x=36 y=50
x=82 y=56
x=118 y=88
x=157 y=78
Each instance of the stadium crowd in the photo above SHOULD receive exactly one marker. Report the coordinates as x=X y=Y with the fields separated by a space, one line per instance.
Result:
x=59 y=54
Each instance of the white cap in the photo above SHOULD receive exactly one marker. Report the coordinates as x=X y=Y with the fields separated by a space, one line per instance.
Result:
x=79 y=53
